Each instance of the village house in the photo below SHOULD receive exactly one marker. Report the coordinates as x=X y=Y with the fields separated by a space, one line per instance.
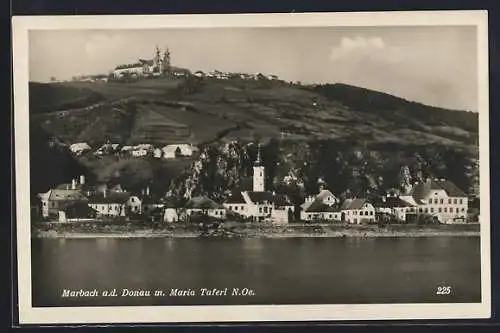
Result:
x=107 y=149
x=111 y=203
x=55 y=200
x=323 y=206
x=171 y=211
x=259 y=204
x=150 y=202
x=357 y=211
x=157 y=153
x=199 y=74
x=79 y=148
x=77 y=212
x=176 y=150
x=205 y=206
x=392 y=205
x=439 y=198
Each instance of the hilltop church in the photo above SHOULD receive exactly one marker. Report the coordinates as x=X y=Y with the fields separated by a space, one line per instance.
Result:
x=259 y=204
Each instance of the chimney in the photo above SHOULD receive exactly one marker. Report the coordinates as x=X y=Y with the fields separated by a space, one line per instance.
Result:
x=73 y=184
x=147 y=190
x=104 y=193
x=82 y=179
x=383 y=199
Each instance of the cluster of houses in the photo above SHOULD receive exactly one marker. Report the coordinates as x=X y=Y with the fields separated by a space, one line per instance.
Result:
x=229 y=75
x=437 y=198
x=140 y=150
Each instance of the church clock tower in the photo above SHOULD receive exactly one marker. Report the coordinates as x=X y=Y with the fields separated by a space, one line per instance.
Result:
x=258 y=174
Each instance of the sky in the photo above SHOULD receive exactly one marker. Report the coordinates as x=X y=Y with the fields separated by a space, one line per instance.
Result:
x=434 y=65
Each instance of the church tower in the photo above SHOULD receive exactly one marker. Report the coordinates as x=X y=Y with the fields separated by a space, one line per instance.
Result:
x=258 y=174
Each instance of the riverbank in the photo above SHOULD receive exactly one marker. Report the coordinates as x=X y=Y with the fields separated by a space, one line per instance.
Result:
x=239 y=230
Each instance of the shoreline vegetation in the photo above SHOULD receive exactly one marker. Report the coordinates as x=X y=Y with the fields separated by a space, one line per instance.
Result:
x=248 y=230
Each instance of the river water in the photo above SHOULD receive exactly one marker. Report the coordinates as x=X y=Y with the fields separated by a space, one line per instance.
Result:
x=266 y=271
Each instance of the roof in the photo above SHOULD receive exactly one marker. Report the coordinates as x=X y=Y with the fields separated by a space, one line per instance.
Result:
x=146 y=62
x=391 y=202
x=127 y=66
x=78 y=210
x=150 y=199
x=203 y=203
x=421 y=190
x=262 y=197
x=351 y=204
x=171 y=202
x=323 y=194
x=236 y=198
x=318 y=206
x=68 y=195
x=79 y=145
x=110 y=198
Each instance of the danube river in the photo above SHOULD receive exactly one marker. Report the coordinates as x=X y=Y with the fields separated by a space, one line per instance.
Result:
x=265 y=271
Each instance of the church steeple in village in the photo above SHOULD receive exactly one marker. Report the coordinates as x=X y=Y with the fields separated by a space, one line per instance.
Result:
x=258 y=173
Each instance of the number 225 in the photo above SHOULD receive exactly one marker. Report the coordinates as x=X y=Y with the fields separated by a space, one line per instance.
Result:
x=445 y=290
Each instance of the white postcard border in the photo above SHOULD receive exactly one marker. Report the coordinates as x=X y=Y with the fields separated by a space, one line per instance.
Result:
x=242 y=313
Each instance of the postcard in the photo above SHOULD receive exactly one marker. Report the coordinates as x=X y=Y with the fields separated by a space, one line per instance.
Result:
x=252 y=167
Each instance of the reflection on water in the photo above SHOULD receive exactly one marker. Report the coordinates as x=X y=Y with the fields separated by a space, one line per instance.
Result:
x=281 y=271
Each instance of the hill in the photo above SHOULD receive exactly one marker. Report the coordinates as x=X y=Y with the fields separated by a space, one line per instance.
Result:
x=164 y=111
x=321 y=126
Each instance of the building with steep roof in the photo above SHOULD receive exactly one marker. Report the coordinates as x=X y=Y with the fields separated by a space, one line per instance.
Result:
x=323 y=206
x=357 y=211
x=259 y=204
x=439 y=198
x=206 y=206
x=111 y=203
x=393 y=205
x=55 y=200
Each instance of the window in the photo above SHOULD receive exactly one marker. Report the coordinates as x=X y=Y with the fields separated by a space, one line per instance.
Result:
x=454 y=201
x=441 y=201
x=435 y=201
x=461 y=201
x=432 y=209
x=242 y=208
x=330 y=216
x=440 y=209
x=260 y=209
x=426 y=210
x=430 y=200
x=235 y=207
x=265 y=209
x=355 y=212
x=449 y=201
x=420 y=210
x=463 y=209
x=457 y=210
x=44 y=204
x=371 y=213
x=445 y=209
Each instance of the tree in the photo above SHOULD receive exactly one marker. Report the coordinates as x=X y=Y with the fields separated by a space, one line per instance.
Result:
x=404 y=178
